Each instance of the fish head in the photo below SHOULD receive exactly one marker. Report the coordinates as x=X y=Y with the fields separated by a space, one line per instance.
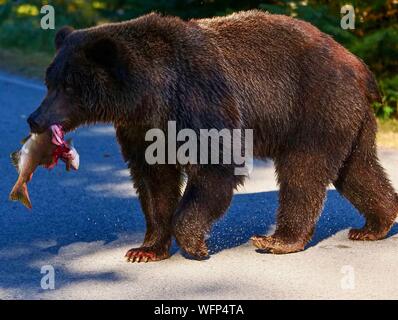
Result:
x=74 y=160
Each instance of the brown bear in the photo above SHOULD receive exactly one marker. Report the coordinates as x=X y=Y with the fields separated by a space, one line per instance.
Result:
x=307 y=99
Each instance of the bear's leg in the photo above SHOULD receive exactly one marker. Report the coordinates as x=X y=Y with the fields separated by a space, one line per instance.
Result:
x=207 y=196
x=159 y=190
x=364 y=183
x=303 y=180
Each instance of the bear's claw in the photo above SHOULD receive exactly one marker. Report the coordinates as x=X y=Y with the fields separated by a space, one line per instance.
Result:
x=144 y=255
x=274 y=245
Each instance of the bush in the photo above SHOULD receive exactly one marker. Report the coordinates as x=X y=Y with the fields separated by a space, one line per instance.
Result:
x=388 y=108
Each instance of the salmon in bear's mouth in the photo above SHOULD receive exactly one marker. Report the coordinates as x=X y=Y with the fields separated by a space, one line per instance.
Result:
x=40 y=149
x=63 y=150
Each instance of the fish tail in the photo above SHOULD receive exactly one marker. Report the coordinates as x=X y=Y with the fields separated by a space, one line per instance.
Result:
x=20 y=193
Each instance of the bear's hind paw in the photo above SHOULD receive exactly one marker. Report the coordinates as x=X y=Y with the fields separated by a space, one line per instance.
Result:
x=274 y=245
x=366 y=234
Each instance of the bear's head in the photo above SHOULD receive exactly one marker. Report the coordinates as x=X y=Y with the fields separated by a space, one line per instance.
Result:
x=86 y=80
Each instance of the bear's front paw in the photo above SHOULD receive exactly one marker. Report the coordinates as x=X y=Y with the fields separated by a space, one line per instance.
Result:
x=275 y=245
x=195 y=249
x=199 y=253
x=146 y=254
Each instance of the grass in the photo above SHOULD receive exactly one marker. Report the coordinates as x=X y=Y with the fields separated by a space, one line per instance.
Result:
x=33 y=65
x=387 y=135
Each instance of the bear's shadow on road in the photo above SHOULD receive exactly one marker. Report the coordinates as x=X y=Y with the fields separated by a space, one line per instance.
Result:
x=256 y=214
x=95 y=204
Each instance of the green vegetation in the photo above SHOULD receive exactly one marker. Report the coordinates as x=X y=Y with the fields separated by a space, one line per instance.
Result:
x=389 y=106
x=374 y=39
x=27 y=63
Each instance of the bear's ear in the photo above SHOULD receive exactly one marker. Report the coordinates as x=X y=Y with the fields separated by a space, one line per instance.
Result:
x=61 y=36
x=108 y=54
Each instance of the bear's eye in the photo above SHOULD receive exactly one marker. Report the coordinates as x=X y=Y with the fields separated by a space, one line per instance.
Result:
x=68 y=89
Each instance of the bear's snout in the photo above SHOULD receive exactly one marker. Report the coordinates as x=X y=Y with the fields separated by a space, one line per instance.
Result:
x=36 y=125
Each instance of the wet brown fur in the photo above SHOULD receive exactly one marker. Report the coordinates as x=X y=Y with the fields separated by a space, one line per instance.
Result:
x=306 y=97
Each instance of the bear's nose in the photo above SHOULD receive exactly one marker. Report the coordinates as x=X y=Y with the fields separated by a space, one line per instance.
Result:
x=35 y=126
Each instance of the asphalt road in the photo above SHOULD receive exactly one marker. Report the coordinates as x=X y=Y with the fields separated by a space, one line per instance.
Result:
x=82 y=223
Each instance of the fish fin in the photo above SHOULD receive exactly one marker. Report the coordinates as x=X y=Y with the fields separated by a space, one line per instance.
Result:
x=20 y=193
x=15 y=156
x=23 y=141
